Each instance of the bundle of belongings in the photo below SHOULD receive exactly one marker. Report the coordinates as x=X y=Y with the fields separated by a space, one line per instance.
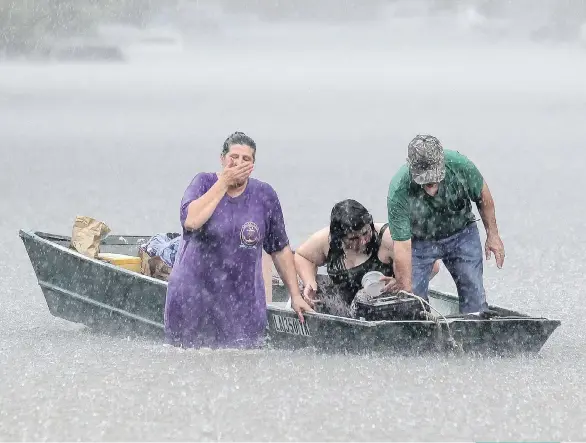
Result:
x=157 y=255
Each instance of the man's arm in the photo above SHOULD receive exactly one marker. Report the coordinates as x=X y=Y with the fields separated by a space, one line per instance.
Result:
x=435 y=270
x=493 y=243
x=399 y=218
x=478 y=192
x=487 y=211
x=402 y=265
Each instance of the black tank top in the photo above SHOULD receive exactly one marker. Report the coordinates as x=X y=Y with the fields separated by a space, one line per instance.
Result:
x=349 y=281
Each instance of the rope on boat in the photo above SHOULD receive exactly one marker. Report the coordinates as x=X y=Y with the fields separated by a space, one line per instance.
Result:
x=428 y=315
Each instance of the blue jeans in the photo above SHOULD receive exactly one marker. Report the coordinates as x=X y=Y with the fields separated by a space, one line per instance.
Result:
x=462 y=255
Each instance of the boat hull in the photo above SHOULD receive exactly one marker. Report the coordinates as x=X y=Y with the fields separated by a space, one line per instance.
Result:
x=512 y=335
x=97 y=294
x=110 y=299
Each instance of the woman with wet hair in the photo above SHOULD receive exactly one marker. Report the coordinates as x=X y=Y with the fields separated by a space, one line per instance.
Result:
x=349 y=247
x=216 y=290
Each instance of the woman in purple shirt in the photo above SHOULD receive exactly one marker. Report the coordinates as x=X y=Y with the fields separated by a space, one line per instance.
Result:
x=216 y=293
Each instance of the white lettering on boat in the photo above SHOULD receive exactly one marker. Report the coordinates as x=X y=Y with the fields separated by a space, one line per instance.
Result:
x=290 y=325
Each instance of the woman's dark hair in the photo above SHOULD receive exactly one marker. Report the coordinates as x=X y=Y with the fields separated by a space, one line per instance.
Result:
x=239 y=138
x=347 y=216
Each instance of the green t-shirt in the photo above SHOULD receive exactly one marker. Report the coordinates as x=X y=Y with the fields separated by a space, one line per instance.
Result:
x=415 y=214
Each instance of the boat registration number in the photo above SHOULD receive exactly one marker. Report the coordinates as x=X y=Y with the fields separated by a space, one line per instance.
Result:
x=290 y=325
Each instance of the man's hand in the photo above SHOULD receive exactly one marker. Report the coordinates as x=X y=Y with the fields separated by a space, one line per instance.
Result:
x=495 y=245
x=300 y=306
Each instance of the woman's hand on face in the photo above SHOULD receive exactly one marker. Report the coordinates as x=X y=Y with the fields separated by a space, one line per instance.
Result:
x=234 y=175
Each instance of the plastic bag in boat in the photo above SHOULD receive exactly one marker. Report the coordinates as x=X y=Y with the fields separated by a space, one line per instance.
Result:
x=158 y=255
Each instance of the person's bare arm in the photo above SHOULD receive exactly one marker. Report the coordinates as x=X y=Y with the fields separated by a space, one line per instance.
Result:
x=200 y=210
x=399 y=218
x=402 y=264
x=388 y=250
x=267 y=272
x=487 y=211
x=310 y=255
x=387 y=244
x=486 y=208
x=436 y=268
x=285 y=265
x=387 y=254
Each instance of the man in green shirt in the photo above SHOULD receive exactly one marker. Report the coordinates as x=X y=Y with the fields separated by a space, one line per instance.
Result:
x=430 y=217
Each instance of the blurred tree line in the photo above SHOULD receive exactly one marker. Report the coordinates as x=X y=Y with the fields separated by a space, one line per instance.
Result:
x=28 y=26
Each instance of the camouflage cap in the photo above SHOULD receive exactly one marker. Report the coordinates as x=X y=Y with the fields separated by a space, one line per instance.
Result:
x=425 y=156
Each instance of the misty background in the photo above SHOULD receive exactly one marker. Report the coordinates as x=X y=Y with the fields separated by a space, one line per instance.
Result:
x=45 y=29
x=109 y=108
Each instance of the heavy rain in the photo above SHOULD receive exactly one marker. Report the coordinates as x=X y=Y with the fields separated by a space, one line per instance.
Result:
x=108 y=109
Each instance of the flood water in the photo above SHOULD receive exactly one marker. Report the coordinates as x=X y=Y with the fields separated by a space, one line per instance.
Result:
x=332 y=120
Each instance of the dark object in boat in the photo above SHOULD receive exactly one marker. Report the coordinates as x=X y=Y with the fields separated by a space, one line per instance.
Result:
x=390 y=307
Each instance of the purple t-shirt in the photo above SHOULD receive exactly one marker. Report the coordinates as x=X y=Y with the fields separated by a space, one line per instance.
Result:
x=216 y=292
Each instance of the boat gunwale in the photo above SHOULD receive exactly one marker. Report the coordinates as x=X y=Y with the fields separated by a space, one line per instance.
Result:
x=34 y=235
x=448 y=320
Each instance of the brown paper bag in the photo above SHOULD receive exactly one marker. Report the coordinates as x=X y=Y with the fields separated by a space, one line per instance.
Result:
x=87 y=235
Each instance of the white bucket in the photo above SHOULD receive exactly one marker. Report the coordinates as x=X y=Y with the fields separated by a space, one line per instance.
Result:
x=372 y=284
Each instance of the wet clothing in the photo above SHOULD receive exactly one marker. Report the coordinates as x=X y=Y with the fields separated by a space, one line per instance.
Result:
x=216 y=293
x=462 y=255
x=337 y=297
x=164 y=246
x=442 y=227
x=413 y=214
